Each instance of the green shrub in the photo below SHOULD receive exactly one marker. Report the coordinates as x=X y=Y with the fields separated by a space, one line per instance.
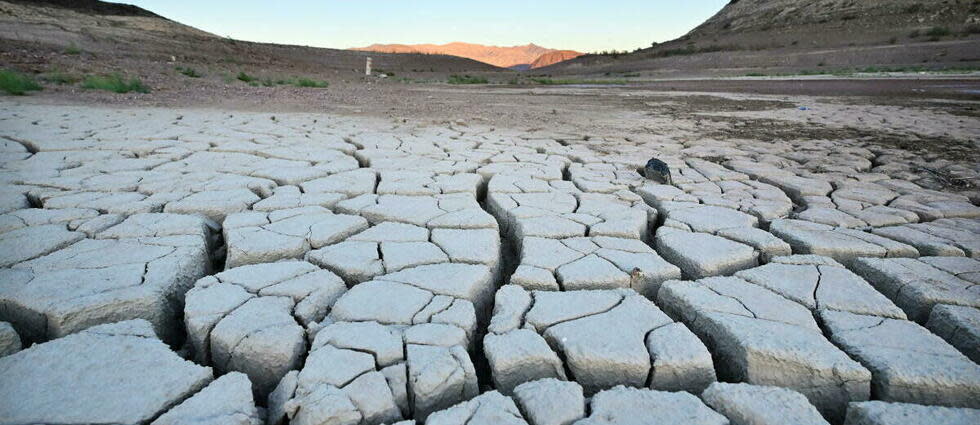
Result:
x=874 y=70
x=466 y=79
x=545 y=81
x=938 y=32
x=60 y=78
x=73 y=50
x=690 y=50
x=614 y=53
x=17 y=84
x=189 y=72
x=114 y=83
x=575 y=81
x=242 y=76
x=306 y=82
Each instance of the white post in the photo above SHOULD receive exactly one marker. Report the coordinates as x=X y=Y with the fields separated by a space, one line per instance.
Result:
x=367 y=67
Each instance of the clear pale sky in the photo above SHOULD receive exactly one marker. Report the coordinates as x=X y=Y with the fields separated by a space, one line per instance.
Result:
x=583 y=25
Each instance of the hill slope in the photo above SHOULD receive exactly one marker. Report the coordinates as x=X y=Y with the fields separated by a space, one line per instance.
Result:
x=552 y=58
x=120 y=38
x=793 y=35
x=94 y=7
x=825 y=23
x=505 y=57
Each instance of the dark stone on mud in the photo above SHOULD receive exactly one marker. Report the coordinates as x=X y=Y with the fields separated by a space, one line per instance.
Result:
x=657 y=170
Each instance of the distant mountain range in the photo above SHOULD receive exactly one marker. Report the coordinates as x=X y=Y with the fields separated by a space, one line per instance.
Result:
x=516 y=57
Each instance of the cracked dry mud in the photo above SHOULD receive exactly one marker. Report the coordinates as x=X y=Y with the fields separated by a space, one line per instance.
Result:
x=200 y=266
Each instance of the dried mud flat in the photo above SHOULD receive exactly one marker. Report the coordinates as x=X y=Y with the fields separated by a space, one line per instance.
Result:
x=491 y=256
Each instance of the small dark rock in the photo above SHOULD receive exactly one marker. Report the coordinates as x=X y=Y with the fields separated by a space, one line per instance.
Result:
x=657 y=170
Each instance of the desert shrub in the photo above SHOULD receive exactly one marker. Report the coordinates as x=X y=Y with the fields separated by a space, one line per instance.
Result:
x=545 y=81
x=886 y=69
x=938 y=32
x=306 y=82
x=613 y=53
x=73 y=50
x=114 y=83
x=242 y=76
x=17 y=84
x=466 y=79
x=576 y=81
x=690 y=50
x=189 y=72
x=60 y=78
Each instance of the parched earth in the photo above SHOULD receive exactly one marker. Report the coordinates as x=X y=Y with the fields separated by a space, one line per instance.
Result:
x=192 y=266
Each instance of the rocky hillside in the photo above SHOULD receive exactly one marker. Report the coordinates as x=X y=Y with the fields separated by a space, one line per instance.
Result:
x=93 y=25
x=516 y=57
x=767 y=23
x=552 y=58
x=766 y=36
x=94 y=7
x=107 y=37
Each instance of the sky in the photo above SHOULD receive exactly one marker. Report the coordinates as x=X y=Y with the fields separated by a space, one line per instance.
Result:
x=583 y=25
